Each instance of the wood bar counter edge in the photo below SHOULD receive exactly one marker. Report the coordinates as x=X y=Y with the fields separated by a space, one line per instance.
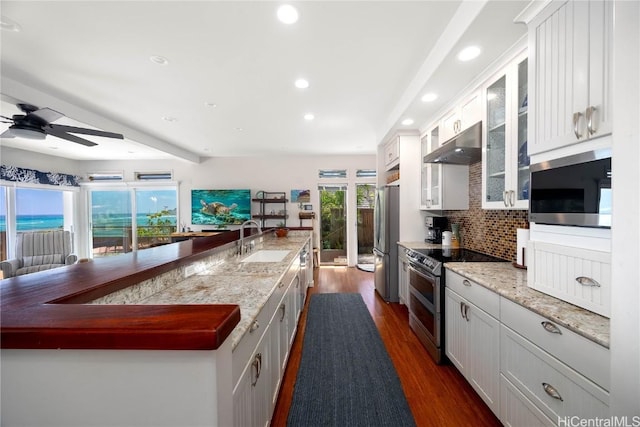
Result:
x=47 y=310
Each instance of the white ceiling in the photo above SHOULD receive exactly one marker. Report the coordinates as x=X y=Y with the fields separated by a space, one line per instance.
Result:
x=368 y=64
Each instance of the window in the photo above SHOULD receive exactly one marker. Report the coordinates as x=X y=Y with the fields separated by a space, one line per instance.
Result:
x=115 y=229
x=25 y=207
x=39 y=209
x=332 y=173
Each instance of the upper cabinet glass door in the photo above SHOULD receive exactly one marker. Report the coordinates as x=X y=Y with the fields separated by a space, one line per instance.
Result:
x=522 y=188
x=505 y=173
x=434 y=181
x=496 y=141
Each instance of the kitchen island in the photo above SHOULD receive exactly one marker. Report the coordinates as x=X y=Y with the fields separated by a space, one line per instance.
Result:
x=139 y=339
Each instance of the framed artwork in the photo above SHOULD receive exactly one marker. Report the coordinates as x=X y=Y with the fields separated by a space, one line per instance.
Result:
x=300 y=196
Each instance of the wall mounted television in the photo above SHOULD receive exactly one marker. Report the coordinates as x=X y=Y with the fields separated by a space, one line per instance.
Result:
x=220 y=207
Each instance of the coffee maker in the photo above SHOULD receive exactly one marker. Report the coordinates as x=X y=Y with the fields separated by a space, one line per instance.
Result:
x=435 y=226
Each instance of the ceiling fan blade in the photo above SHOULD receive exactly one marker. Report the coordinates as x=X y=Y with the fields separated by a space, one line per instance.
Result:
x=47 y=114
x=7 y=134
x=73 y=129
x=55 y=131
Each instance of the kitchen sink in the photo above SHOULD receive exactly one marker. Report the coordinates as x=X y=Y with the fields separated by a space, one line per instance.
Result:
x=267 y=255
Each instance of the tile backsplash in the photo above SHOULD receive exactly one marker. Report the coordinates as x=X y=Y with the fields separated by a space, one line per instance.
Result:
x=490 y=231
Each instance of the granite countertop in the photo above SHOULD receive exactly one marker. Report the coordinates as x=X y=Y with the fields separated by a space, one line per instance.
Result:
x=230 y=281
x=511 y=283
x=235 y=282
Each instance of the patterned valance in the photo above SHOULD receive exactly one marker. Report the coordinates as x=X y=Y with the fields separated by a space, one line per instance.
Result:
x=32 y=176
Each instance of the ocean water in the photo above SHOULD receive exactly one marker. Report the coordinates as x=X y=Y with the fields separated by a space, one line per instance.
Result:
x=103 y=225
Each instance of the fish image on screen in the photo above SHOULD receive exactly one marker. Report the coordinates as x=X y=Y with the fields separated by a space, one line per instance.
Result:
x=220 y=207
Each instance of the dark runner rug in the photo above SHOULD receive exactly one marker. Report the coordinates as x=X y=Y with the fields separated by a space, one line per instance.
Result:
x=346 y=377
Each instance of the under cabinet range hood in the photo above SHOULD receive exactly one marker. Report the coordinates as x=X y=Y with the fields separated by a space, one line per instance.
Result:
x=463 y=149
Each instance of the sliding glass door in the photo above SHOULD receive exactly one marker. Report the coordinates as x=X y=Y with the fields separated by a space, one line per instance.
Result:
x=115 y=229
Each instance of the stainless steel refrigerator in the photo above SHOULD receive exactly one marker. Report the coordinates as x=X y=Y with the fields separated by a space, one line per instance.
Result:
x=386 y=235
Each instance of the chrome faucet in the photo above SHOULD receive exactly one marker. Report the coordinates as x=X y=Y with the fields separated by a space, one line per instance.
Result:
x=241 y=250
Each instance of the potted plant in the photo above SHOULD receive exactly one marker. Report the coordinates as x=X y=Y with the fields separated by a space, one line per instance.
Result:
x=281 y=230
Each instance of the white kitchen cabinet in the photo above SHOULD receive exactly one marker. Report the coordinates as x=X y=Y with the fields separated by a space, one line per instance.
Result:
x=505 y=165
x=553 y=387
x=443 y=187
x=579 y=276
x=473 y=336
x=570 y=45
x=403 y=277
x=465 y=114
x=251 y=397
x=392 y=153
x=549 y=371
x=516 y=410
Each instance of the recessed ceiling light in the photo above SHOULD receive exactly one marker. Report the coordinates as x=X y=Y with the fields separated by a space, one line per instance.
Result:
x=429 y=97
x=309 y=116
x=407 y=122
x=287 y=14
x=210 y=104
x=160 y=60
x=9 y=24
x=469 y=53
x=169 y=119
x=302 y=83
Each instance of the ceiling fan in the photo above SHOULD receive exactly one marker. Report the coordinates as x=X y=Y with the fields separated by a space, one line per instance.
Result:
x=36 y=124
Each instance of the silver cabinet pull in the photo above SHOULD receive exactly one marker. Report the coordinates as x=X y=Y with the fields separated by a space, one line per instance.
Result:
x=255 y=325
x=576 y=121
x=550 y=327
x=256 y=366
x=513 y=197
x=589 y=116
x=551 y=391
x=284 y=309
x=587 y=281
x=466 y=312
x=462 y=309
x=504 y=199
x=466 y=282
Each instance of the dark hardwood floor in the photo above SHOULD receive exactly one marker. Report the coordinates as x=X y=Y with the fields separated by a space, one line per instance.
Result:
x=437 y=394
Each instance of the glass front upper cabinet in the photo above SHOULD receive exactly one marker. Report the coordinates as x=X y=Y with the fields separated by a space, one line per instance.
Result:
x=505 y=175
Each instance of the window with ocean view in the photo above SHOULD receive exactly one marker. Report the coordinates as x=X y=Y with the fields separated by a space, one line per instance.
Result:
x=35 y=210
x=114 y=228
x=3 y=224
x=39 y=209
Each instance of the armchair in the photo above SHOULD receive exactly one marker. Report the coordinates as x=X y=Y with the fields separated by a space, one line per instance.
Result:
x=39 y=250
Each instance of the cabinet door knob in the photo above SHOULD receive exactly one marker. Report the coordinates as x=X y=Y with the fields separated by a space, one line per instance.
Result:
x=587 y=281
x=576 y=122
x=255 y=325
x=550 y=327
x=551 y=391
x=589 y=116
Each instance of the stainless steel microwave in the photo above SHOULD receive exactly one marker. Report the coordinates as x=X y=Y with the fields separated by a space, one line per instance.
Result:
x=574 y=190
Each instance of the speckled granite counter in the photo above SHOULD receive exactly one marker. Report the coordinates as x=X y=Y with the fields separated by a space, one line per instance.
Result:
x=511 y=283
x=226 y=280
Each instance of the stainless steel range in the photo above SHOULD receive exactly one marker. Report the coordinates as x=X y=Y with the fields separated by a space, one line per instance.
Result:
x=426 y=293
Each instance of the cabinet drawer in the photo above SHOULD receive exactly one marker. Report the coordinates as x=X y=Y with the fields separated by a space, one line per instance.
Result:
x=585 y=356
x=477 y=294
x=251 y=337
x=516 y=410
x=579 y=276
x=540 y=377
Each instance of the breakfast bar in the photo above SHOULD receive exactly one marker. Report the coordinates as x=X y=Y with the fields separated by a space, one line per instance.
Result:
x=144 y=338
